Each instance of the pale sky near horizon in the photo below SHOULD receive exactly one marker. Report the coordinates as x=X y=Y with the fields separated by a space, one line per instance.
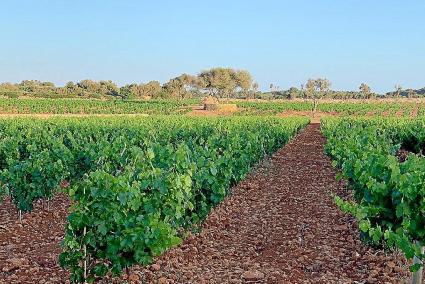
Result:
x=380 y=42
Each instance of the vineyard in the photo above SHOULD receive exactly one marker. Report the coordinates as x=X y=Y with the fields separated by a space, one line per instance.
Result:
x=401 y=108
x=224 y=142
x=369 y=108
x=248 y=197
x=133 y=182
x=85 y=106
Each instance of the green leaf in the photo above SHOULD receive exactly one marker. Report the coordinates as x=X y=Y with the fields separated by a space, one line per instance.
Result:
x=213 y=171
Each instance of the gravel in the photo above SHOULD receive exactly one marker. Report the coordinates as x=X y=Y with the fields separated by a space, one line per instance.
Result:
x=279 y=225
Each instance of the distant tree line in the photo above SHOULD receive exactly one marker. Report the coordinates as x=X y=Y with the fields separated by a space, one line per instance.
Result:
x=314 y=86
x=406 y=93
x=217 y=82
x=364 y=92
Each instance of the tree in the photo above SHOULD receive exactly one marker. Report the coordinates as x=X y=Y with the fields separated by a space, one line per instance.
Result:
x=175 y=88
x=151 y=89
x=10 y=90
x=190 y=83
x=129 y=91
x=365 y=90
x=316 y=89
x=223 y=82
x=108 y=88
x=271 y=87
x=48 y=84
x=243 y=80
x=36 y=87
x=71 y=89
x=255 y=89
x=398 y=90
x=98 y=89
x=293 y=93
x=88 y=87
x=29 y=85
x=302 y=91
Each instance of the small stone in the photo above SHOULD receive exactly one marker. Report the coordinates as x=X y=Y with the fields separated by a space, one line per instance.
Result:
x=34 y=269
x=252 y=275
x=18 y=261
x=391 y=264
x=155 y=267
x=15 y=263
x=133 y=278
x=7 y=269
x=162 y=280
x=342 y=227
x=148 y=276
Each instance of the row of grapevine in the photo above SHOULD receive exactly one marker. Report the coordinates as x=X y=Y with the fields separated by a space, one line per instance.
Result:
x=270 y=108
x=389 y=192
x=85 y=106
x=134 y=182
x=344 y=108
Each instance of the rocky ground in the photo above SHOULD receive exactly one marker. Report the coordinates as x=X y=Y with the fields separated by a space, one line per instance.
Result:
x=280 y=225
x=29 y=249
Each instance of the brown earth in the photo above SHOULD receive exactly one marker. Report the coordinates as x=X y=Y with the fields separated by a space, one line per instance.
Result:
x=280 y=225
x=29 y=249
x=399 y=113
x=200 y=111
x=317 y=116
x=415 y=110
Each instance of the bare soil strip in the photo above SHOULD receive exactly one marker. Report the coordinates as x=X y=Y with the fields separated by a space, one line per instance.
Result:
x=29 y=250
x=317 y=116
x=280 y=225
x=200 y=111
x=415 y=110
x=399 y=113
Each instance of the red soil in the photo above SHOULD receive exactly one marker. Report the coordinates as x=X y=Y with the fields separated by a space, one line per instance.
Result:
x=280 y=225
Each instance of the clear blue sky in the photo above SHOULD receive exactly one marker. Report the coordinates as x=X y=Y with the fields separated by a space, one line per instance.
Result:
x=380 y=42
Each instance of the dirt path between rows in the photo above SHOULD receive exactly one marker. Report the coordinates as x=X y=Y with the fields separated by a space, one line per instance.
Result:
x=29 y=249
x=280 y=225
x=415 y=110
